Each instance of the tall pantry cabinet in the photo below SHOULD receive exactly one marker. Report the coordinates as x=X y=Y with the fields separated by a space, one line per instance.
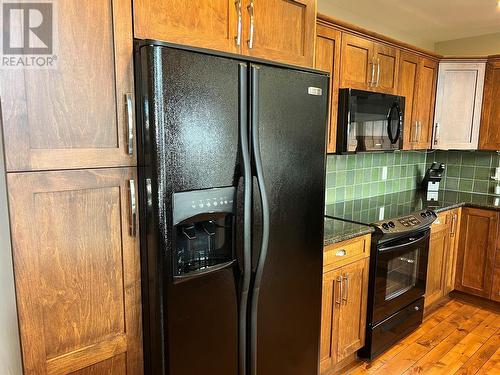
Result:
x=69 y=136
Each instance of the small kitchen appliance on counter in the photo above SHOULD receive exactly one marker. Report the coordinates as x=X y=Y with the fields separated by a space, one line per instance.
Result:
x=432 y=179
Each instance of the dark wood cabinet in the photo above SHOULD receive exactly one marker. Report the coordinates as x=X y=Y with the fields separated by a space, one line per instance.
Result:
x=476 y=251
x=327 y=58
x=80 y=113
x=489 y=134
x=77 y=271
x=278 y=30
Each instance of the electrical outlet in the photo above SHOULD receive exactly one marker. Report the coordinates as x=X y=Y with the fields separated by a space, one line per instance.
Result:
x=384 y=173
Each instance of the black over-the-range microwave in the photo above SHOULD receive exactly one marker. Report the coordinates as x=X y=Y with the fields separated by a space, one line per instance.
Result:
x=369 y=121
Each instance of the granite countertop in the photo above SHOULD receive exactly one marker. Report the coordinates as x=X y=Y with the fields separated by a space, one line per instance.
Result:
x=369 y=210
x=340 y=230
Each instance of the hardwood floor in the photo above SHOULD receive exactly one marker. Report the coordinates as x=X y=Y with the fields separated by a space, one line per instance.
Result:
x=457 y=338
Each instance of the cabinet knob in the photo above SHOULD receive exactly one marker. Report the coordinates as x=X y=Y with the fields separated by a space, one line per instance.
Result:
x=341 y=253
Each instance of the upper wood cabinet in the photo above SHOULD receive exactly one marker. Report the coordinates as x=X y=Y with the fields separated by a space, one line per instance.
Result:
x=489 y=138
x=327 y=58
x=77 y=271
x=476 y=251
x=344 y=302
x=279 y=30
x=80 y=113
x=387 y=66
x=408 y=87
x=417 y=83
x=368 y=65
x=357 y=65
x=458 y=105
x=425 y=100
x=210 y=24
x=283 y=30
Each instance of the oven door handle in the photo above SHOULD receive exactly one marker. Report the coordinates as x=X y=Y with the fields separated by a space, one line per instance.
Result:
x=411 y=241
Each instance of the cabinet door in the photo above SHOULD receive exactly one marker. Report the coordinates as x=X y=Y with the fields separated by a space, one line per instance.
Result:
x=352 y=316
x=76 y=264
x=459 y=99
x=476 y=252
x=78 y=114
x=489 y=138
x=438 y=259
x=407 y=87
x=327 y=58
x=387 y=68
x=331 y=302
x=495 y=289
x=283 y=30
x=425 y=103
x=212 y=24
x=357 y=67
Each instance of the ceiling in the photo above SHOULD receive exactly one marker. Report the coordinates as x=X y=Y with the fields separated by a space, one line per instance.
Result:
x=422 y=21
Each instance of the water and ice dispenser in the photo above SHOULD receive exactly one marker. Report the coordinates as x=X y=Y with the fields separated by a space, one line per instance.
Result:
x=204 y=230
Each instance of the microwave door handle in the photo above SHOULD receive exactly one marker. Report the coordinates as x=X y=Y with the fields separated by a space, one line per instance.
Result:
x=393 y=138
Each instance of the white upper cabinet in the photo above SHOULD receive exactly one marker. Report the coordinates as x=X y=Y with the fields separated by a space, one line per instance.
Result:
x=458 y=105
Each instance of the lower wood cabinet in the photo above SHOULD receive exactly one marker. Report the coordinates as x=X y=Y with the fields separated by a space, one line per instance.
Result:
x=345 y=291
x=77 y=271
x=442 y=256
x=476 y=251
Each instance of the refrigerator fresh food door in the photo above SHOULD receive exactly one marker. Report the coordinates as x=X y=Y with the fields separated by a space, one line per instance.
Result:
x=288 y=128
x=192 y=106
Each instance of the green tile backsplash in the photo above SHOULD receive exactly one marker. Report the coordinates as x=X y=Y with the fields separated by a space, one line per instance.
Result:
x=360 y=175
x=467 y=171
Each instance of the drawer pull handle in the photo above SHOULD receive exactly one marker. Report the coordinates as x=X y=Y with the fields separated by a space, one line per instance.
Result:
x=341 y=253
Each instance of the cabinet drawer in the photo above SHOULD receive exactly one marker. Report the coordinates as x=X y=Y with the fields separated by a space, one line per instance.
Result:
x=345 y=252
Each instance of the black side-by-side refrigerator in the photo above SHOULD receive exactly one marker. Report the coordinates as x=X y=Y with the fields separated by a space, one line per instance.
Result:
x=231 y=186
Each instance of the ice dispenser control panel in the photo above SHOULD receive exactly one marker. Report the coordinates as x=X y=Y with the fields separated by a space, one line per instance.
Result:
x=191 y=203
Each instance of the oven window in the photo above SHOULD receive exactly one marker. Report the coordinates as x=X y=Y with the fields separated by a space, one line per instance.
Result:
x=402 y=274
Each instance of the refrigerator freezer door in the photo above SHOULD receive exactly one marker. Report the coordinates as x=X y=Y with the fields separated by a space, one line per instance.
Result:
x=291 y=121
x=189 y=142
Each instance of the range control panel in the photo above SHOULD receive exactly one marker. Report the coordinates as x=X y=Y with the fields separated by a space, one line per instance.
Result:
x=417 y=220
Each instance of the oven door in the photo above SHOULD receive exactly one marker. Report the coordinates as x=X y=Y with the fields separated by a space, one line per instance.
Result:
x=400 y=274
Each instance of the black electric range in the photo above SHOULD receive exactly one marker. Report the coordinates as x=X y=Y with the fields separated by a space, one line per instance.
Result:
x=398 y=267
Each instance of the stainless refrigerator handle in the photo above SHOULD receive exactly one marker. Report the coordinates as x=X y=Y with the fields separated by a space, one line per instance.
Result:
x=247 y=216
x=133 y=209
x=237 y=38
x=130 y=122
x=251 y=12
x=265 y=215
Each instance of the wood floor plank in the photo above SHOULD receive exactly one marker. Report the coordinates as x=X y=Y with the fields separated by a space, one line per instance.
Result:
x=466 y=348
x=425 y=364
x=429 y=323
x=481 y=357
x=457 y=338
x=492 y=366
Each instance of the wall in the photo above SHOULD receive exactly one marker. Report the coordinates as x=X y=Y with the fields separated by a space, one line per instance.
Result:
x=10 y=355
x=488 y=44
x=335 y=10
x=360 y=176
x=467 y=171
